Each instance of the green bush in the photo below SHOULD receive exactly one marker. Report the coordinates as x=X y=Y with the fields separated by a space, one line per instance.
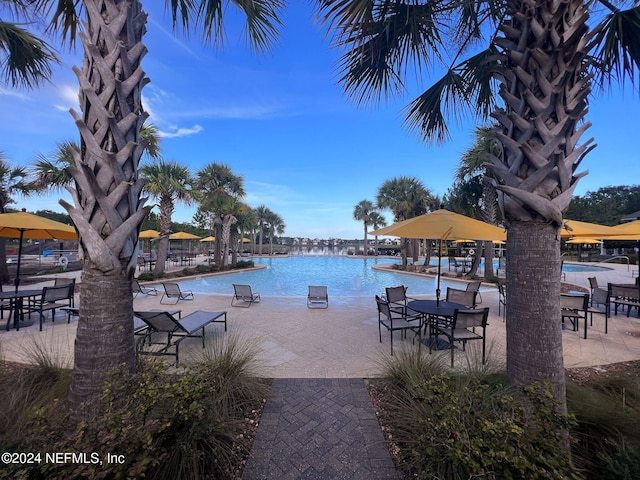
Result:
x=471 y=425
x=197 y=270
x=162 y=425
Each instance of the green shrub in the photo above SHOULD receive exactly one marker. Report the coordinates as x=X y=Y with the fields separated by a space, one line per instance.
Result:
x=163 y=425
x=470 y=425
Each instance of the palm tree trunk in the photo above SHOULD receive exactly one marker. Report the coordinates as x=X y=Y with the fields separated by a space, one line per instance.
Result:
x=107 y=207
x=534 y=348
x=102 y=334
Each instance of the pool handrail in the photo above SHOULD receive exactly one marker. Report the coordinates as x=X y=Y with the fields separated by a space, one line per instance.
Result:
x=615 y=258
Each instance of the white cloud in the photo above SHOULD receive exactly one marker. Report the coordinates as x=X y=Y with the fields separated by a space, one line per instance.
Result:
x=13 y=93
x=175 y=132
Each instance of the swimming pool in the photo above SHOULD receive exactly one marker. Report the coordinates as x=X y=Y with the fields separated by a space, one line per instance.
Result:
x=344 y=277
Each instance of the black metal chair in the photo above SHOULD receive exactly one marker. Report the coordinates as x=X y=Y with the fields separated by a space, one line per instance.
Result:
x=600 y=304
x=394 y=320
x=463 y=329
x=139 y=289
x=52 y=299
x=574 y=306
x=463 y=297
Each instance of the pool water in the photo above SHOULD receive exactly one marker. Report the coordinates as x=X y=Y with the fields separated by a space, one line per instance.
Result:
x=344 y=277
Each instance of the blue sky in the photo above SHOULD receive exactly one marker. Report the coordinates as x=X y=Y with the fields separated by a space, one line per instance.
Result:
x=281 y=121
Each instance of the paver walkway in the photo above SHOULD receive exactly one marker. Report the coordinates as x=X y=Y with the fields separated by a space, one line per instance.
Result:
x=319 y=428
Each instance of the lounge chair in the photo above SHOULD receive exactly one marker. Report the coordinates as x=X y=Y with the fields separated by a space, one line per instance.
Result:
x=172 y=290
x=318 y=297
x=193 y=325
x=244 y=295
x=139 y=289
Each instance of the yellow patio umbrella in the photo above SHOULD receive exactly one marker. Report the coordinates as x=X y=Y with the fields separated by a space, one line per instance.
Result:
x=575 y=228
x=626 y=231
x=443 y=225
x=183 y=236
x=208 y=239
x=26 y=225
x=148 y=234
x=584 y=240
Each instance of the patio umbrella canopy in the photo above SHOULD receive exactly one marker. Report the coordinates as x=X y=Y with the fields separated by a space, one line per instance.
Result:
x=443 y=225
x=575 y=228
x=26 y=225
x=183 y=236
x=148 y=234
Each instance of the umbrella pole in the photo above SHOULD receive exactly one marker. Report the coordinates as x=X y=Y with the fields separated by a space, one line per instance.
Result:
x=439 y=267
x=17 y=280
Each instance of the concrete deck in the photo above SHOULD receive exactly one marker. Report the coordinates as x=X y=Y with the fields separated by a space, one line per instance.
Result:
x=341 y=341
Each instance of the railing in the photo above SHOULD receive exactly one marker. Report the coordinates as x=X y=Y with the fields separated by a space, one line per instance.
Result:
x=615 y=258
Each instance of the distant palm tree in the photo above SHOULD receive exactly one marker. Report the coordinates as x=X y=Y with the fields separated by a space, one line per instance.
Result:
x=377 y=221
x=217 y=189
x=362 y=212
x=276 y=225
x=262 y=216
x=13 y=181
x=406 y=197
x=473 y=165
x=168 y=182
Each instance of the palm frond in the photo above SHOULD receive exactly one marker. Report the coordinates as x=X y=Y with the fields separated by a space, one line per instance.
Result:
x=25 y=59
x=181 y=10
x=427 y=113
x=65 y=17
x=477 y=72
x=263 y=22
x=618 y=46
x=390 y=37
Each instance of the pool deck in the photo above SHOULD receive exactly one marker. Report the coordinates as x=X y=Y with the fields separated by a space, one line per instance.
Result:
x=341 y=341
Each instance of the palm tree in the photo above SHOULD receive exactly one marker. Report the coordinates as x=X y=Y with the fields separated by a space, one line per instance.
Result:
x=377 y=221
x=362 y=212
x=13 y=180
x=217 y=189
x=107 y=209
x=472 y=170
x=262 y=216
x=168 y=181
x=406 y=197
x=276 y=225
x=543 y=56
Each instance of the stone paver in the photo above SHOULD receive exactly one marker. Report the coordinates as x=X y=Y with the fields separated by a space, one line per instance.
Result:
x=319 y=428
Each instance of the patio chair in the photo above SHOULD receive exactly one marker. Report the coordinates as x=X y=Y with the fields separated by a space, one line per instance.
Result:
x=475 y=287
x=600 y=304
x=60 y=281
x=394 y=320
x=464 y=327
x=397 y=298
x=502 y=299
x=52 y=299
x=318 y=297
x=139 y=289
x=593 y=284
x=574 y=306
x=193 y=325
x=244 y=295
x=463 y=297
x=453 y=262
x=172 y=290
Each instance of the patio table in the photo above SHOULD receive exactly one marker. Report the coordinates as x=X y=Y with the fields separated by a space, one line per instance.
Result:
x=16 y=306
